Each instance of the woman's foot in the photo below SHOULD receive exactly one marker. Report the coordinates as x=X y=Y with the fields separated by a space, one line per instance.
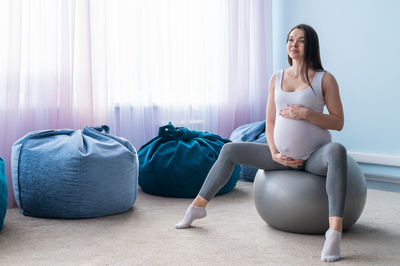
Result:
x=192 y=213
x=331 y=249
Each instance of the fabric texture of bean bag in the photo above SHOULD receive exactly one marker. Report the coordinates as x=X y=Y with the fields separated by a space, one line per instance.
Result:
x=253 y=132
x=74 y=173
x=177 y=161
x=3 y=192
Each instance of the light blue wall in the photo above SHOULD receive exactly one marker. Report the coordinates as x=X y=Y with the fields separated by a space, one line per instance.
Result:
x=360 y=46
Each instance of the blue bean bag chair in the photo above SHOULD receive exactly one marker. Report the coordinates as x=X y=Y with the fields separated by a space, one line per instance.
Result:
x=3 y=192
x=177 y=161
x=253 y=132
x=74 y=174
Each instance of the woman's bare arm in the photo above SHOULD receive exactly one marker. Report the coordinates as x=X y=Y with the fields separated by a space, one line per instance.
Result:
x=270 y=115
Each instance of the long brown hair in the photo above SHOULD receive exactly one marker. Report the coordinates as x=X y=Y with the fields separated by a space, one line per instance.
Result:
x=312 y=58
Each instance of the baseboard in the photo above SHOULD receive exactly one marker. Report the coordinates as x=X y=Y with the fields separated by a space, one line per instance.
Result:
x=383 y=178
x=379 y=159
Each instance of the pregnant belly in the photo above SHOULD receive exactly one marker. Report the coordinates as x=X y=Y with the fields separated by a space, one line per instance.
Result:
x=297 y=139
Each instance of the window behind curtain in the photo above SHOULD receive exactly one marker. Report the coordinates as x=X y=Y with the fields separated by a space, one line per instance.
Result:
x=160 y=52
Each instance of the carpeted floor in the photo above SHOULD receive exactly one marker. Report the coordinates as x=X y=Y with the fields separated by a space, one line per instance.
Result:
x=231 y=234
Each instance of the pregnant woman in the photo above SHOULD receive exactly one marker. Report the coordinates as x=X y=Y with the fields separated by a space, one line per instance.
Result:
x=297 y=135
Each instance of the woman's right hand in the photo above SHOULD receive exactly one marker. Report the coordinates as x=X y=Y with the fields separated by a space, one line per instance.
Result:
x=287 y=161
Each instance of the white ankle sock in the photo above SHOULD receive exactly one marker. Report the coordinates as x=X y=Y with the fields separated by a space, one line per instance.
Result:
x=192 y=213
x=331 y=249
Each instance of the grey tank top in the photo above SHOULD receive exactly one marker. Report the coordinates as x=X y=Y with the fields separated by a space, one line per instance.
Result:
x=298 y=139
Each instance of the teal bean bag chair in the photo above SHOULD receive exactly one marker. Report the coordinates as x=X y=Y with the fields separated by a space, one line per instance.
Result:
x=3 y=192
x=177 y=161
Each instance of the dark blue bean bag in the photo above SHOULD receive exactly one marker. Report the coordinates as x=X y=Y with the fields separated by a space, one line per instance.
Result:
x=74 y=174
x=253 y=132
x=3 y=192
x=177 y=161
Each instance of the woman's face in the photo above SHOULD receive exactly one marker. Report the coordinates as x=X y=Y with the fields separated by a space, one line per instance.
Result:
x=295 y=44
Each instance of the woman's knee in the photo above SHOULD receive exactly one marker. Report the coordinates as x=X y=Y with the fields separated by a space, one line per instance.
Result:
x=336 y=150
x=228 y=148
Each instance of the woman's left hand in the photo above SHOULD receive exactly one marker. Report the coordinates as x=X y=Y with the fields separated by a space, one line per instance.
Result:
x=294 y=111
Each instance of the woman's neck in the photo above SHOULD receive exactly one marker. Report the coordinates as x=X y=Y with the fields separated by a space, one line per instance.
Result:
x=295 y=69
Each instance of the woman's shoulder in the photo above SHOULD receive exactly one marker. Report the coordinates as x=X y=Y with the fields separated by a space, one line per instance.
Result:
x=276 y=74
x=272 y=78
x=328 y=81
x=327 y=77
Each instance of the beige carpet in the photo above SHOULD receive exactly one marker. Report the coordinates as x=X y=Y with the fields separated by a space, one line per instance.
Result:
x=231 y=234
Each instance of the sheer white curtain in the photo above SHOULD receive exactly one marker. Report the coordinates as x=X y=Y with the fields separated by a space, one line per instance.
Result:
x=134 y=65
x=160 y=61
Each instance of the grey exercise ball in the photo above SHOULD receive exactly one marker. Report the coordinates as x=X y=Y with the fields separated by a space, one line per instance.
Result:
x=296 y=201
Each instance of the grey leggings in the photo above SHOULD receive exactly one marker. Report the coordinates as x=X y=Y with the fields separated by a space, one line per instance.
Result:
x=329 y=160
